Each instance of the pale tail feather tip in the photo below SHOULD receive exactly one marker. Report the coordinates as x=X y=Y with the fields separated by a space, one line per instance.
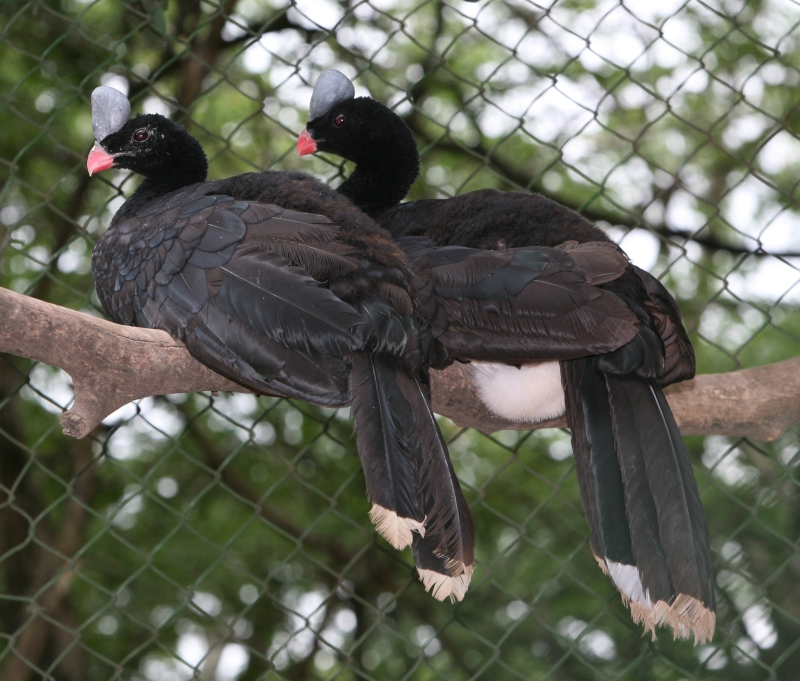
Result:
x=394 y=529
x=685 y=615
x=441 y=586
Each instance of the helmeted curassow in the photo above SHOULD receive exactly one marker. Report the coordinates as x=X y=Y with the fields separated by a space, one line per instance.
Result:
x=281 y=284
x=641 y=501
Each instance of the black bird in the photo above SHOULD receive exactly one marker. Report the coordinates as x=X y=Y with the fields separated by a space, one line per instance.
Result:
x=278 y=282
x=647 y=528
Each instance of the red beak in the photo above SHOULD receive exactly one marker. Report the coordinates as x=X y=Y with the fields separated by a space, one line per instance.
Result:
x=99 y=160
x=305 y=144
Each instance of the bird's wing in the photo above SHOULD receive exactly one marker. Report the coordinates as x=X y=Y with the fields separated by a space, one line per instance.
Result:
x=522 y=304
x=241 y=283
x=679 y=361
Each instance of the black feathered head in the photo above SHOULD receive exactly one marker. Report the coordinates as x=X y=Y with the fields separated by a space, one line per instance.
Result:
x=354 y=128
x=366 y=132
x=148 y=144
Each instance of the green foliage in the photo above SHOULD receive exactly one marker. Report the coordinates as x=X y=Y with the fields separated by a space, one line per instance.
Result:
x=227 y=536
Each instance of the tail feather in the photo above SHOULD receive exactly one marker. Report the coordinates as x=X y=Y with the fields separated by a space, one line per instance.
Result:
x=666 y=516
x=384 y=422
x=571 y=375
x=415 y=494
x=605 y=470
x=599 y=475
x=440 y=577
x=647 y=527
x=445 y=555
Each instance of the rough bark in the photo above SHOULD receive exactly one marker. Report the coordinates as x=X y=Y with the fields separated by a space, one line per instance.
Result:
x=111 y=365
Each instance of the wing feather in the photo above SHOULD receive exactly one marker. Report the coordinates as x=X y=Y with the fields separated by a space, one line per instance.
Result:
x=520 y=304
x=285 y=304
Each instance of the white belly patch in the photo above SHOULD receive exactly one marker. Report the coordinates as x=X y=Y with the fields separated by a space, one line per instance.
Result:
x=527 y=394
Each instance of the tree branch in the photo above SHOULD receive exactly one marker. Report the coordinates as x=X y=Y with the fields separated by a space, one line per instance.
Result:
x=111 y=365
x=760 y=402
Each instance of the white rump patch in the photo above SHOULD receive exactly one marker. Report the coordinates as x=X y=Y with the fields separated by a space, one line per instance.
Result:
x=441 y=586
x=686 y=615
x=394 y=529
x=527 y=394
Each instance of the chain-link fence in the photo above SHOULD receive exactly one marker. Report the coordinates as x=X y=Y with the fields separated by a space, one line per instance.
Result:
x=226 y=537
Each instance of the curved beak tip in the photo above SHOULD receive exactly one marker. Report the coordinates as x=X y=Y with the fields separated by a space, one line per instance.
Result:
x=99 y=160
x=305 y=144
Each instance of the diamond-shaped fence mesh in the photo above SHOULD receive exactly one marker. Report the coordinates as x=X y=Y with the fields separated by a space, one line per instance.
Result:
x=226 y=537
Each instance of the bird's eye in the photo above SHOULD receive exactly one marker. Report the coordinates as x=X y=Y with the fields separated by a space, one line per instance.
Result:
x=339 y=120
x=140 y=135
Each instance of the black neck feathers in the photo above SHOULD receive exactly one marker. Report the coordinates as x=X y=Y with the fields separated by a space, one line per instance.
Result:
x=381 y=145
x=384 y=173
